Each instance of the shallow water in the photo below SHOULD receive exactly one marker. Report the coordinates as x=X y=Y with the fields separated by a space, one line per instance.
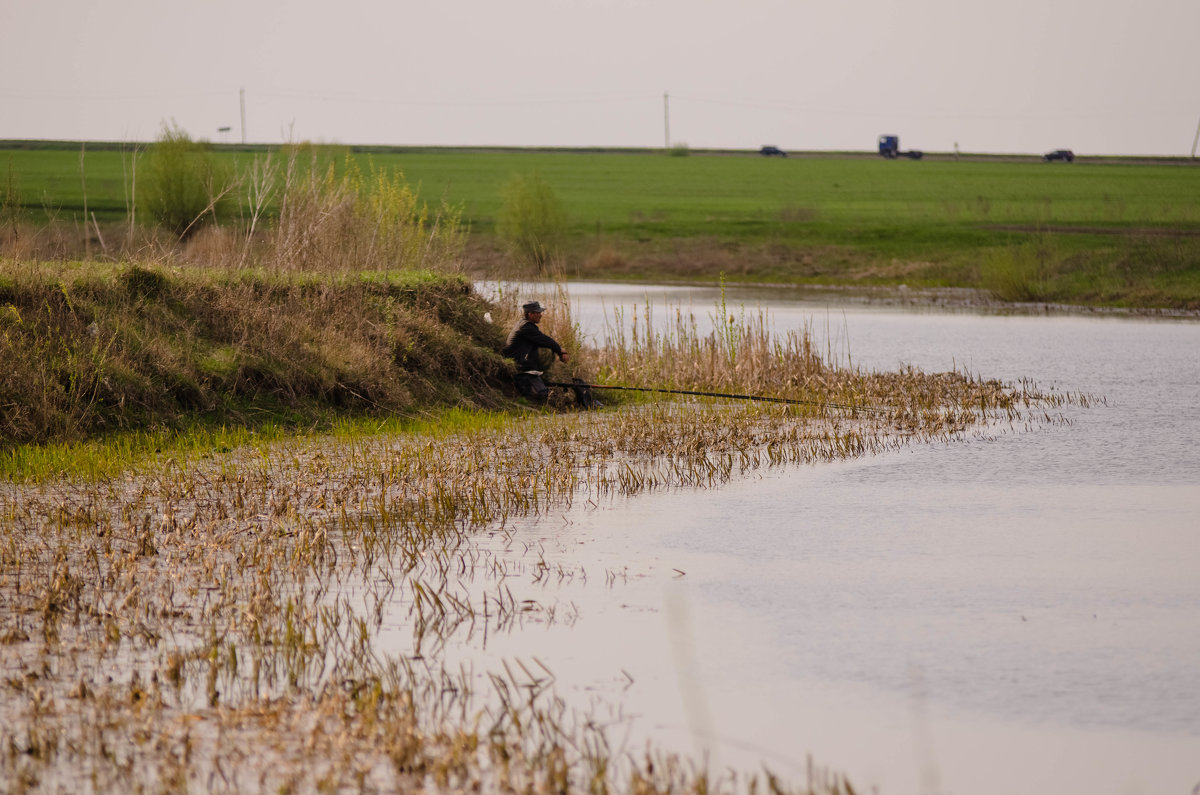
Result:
x=1019 y=614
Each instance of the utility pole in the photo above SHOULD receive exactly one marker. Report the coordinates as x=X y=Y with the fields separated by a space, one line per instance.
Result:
x=1195 y=140
x=666 y=121
x=242 y=97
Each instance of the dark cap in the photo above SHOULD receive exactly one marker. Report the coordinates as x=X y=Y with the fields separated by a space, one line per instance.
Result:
x=533 y=306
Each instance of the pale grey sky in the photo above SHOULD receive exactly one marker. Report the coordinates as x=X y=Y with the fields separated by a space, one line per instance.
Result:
x=1100 y=77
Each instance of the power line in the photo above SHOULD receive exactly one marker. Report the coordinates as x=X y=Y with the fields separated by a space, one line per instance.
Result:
x=596 y=99
x=57 y=96
x=481 y=102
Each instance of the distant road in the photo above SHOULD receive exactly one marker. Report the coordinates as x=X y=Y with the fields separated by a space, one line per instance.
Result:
x=969 y=157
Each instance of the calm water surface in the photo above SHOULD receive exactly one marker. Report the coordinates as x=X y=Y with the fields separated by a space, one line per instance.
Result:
x=1018 y=614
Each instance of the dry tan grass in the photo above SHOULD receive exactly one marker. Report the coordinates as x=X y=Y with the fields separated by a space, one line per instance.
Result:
x=214 y=625
x=96 y=348
x=741 y=355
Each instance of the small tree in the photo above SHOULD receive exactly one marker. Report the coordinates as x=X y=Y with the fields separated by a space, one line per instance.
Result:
x=185 y=187
x=533 y=221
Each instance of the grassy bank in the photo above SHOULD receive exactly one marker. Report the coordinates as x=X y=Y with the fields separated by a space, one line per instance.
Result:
x=94 y=348
x=1093 y=232
x=109 y=364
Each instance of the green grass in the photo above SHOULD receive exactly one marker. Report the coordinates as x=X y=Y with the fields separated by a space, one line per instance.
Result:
x=751 y=197
x=1116 y=233
x=50 y=182
x=721 y=195
x=110 y=455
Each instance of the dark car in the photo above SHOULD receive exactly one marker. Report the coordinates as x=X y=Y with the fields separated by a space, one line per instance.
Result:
x=1065 y=155
x=772 y=151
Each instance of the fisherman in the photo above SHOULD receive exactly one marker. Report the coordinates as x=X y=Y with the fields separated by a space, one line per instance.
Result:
x=524 y=344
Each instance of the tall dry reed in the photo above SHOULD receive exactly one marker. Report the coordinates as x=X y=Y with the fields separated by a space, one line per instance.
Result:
x=357 y=221
x=743 y=354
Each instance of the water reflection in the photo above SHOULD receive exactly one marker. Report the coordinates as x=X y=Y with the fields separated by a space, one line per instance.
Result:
x=1017 y=614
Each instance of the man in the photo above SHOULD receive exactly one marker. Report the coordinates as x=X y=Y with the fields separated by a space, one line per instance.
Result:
x=524 y=342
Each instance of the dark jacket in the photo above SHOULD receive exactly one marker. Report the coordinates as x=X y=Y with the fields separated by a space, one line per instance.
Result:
x=523 y=344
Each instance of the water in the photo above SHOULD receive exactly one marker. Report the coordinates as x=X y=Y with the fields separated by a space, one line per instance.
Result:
x=1019 y=614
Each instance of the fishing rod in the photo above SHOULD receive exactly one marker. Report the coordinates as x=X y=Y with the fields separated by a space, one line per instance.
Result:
x=732 y=396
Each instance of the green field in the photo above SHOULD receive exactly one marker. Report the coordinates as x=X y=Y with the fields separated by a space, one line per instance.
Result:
x=1095 y=231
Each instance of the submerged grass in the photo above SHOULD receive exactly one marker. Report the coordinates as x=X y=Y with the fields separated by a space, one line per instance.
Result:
x=215 y=621
x=111 y=455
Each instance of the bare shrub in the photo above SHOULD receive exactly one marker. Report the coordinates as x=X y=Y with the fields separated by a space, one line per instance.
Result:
x=12 y=211
x=355 y=221
x=606 y=260
x=211 y=245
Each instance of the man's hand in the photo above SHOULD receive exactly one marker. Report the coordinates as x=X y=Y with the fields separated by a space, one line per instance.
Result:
x=562 y=357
